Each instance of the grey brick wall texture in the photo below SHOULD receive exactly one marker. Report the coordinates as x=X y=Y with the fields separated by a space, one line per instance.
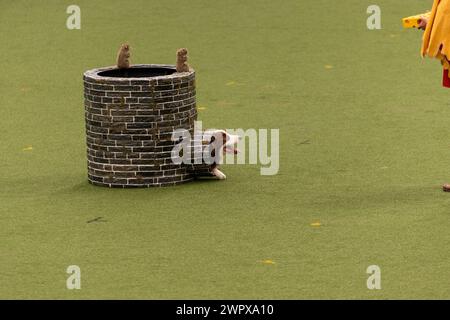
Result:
x=129 y=124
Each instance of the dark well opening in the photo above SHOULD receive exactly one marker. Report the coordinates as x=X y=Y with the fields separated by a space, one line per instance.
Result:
x=137 y=72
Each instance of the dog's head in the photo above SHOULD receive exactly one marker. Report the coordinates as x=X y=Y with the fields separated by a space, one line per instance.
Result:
x=223 y=140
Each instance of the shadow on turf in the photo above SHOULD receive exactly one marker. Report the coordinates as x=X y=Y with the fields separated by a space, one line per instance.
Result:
x=356 y=198
x=86 y=187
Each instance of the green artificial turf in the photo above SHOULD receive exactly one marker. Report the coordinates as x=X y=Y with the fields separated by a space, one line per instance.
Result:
x=364 y=149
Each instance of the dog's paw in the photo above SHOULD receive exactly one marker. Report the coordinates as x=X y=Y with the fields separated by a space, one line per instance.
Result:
x=219 y=174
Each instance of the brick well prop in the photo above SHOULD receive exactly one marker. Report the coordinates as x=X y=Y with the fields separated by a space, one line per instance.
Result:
x=130 y=116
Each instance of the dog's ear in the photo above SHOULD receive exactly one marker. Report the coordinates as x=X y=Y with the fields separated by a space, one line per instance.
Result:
x=224 y=137
x=219 y=137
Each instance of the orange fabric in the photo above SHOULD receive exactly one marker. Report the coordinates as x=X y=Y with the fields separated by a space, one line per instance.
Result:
x=436 y=39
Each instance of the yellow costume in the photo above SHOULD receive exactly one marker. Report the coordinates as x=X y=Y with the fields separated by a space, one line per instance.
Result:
x=415 y=21
x=436 y=39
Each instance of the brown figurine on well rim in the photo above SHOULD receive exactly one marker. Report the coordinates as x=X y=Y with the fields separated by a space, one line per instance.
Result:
x=123 y=56
x=182 y=57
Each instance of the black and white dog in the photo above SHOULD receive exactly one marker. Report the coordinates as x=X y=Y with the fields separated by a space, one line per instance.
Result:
x=214 y=144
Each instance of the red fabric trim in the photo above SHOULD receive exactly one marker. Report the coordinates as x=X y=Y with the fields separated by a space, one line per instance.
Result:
x=446 y=79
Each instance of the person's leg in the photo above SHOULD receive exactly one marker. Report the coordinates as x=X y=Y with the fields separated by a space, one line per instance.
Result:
x=446 y=84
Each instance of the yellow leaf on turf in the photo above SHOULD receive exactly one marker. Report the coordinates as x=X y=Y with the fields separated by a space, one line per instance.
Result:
x=316 y=224
x=268 y=261
x=201 y=108
x=29 y=148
